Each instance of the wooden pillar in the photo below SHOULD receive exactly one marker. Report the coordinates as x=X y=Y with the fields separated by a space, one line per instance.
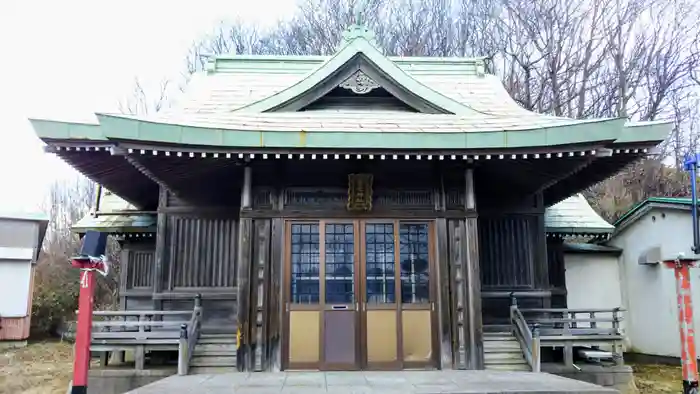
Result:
x=243 y=262
x=472 y=279
x=161 y=252
x=541 y=261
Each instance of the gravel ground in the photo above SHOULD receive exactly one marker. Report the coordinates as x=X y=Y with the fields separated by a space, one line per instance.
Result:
x=656 y=379
x=40 y=368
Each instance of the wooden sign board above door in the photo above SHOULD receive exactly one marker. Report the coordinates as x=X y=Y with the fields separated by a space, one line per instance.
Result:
x=360 y=192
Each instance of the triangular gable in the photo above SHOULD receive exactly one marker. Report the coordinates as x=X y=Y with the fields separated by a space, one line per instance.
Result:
x=359 y=59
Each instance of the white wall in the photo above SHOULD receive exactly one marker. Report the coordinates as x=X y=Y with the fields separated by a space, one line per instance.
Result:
x=593 y=282
x=649 y=291
x=14 y=287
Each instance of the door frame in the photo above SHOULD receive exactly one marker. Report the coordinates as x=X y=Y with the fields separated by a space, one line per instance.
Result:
x=359 y=286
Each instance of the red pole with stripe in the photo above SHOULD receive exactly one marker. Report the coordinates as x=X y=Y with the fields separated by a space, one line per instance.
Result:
x=81 y=362
x=689 y=362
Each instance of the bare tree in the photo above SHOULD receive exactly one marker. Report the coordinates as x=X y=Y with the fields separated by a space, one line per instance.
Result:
x=56 y=282
x=142 y=103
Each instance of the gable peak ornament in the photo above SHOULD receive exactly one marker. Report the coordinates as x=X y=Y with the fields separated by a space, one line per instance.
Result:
x=359 y=83
x=359 y=27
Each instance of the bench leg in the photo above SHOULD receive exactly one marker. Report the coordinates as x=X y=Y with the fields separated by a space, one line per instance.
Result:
x=139 y=357
x=104 y=358
x=569 y=355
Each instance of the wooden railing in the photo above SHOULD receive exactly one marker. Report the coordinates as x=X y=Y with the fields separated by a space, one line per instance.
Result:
x=558 y=327
x=189 y=335
x=144 y=330
x=529 y=340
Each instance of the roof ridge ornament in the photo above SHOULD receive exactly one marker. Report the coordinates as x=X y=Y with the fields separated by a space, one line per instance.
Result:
x=359 y=27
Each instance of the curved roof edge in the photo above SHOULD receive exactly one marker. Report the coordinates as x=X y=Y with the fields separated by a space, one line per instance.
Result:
x=122 y=127
x=575 y=216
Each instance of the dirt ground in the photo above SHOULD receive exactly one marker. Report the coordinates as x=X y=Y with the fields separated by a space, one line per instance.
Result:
x=46 y=368
x=40 y=368
x=652 y=378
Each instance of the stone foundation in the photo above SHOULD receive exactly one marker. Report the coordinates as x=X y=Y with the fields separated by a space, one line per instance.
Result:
x=620 y=378
x=120 y=381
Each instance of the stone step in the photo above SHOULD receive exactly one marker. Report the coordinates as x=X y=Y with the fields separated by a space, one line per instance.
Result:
x=499 y=338
x=213 y=361
x=230 y=347
x=217 y=339
x=211 y=370
x=498 y=357
x=213 y=352
x=497 y=347
x=508 y=367
x=218 y=334
x=505 y=361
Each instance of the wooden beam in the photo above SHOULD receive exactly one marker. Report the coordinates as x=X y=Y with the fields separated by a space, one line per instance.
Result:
x=244 y=262
x=276 y=296
x=161 y=249
x=445 y=316
x=472 y=280
x=244 y=320
x=541 y=262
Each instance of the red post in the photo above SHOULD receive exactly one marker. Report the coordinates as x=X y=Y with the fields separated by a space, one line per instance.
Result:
x=689 y=364
x=81 y=362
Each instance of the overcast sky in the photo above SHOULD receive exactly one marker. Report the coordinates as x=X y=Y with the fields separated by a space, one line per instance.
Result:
x=70 y=58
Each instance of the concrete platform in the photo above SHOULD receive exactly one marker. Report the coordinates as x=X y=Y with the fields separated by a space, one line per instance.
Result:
x=404 y=382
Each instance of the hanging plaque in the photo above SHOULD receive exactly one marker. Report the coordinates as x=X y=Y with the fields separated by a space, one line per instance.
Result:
x=360 y=192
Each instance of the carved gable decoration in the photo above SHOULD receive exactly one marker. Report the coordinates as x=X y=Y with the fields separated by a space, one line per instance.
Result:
x=360 y=192
x=359 y=83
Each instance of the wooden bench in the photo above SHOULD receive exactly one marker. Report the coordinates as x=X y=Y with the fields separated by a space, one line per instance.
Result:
x=141 y=332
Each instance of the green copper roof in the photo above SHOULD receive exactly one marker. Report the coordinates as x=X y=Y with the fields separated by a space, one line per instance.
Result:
x=126 y=223
x=638 y=210
x=575 y=216
x=588 y=248
x=25 y=215
x=236 y=103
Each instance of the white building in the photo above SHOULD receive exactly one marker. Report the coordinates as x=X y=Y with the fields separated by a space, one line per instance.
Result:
x=21 y=236
x=648 y=289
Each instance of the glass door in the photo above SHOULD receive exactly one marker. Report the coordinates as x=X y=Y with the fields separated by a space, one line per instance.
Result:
x=322 y=310
x=417 y=300
x=398 y=299
x=303 y=302
x=340 y=314
x=360 y=295
x=380 y=317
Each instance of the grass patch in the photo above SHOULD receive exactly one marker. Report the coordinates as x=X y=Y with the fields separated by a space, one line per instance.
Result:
x=656 y=378
x=40 y=368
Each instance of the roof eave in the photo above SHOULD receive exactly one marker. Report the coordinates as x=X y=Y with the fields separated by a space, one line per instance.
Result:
x=127 y=128
x=53 y=130
x=579 y=230
x=646 y=133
